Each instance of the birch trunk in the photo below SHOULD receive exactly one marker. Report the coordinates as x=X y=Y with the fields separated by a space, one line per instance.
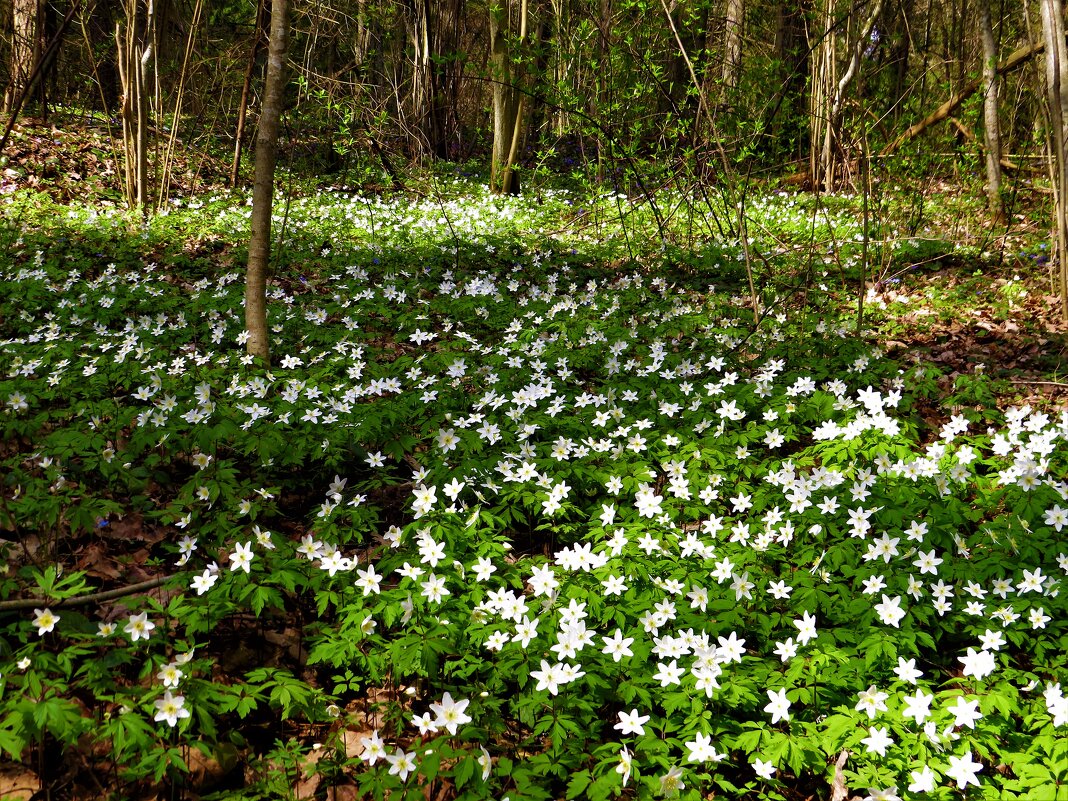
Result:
x=1057 y=98
x=991 y=127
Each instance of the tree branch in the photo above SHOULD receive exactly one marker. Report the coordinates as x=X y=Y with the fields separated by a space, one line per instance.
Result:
x=82 y=600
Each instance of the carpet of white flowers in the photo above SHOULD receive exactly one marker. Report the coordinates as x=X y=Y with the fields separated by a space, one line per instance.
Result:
x=546 y=527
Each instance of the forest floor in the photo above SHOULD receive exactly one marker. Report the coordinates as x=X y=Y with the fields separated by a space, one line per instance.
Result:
x=959 y=317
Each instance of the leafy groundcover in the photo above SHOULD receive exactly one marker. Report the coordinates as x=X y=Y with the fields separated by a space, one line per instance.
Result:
x=501 y=521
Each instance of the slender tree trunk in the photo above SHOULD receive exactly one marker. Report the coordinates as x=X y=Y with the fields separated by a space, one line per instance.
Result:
x=821 y=94
x=732 y=44
x=991 y=128
x=830 y=133
x=246 y=90
x=507 y=100
x=422 y=96
x=136 y=60
x=787 y=106
x=144 y=67
x=1015 y=61
x=564 y=60
x=1057 y=97
x=40 y=67
x=259 y=246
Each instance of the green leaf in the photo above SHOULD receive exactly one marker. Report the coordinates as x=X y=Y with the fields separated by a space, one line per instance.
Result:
x=579 y=782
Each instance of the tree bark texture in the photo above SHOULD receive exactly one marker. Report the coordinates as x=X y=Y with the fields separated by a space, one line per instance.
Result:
x=507 y=99
x=259 y=246
x=991 y=127
x=837 y=88
x=732 y=43
x=246 y=91
x=133 y=39
x=23 y=50
x=1057 y=98
x=821 y=93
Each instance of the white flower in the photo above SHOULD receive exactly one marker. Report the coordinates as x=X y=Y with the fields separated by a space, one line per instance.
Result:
x=170 y=708
x=978 y=664
x=806 y=628
x=923 y=780
x=401 y=763
x=918 y=706
x=671 y=782
x=373 y=748
x=170 y=675
x=963 y=769
x=965 y=713
x=205 y=581
x=778 y=706
x=450 y=713
x=241 y=558
x=878 y=740
x=764 y=770
x=871 y=701
x=45 y=621
x=890 y=611
x=632 y=722
x=617 y=646
x=906 y=670
x=701 y=749
x=139 y=628
x=624 y=766
x=888 y=794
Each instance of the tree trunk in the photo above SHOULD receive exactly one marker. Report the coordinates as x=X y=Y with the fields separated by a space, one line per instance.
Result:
x=259 y=246
x=246 y=90
x=732 y=44
x=136 y=57
x=787 y=107
x=991 y=128
x=423 y=102
x=1057 y=98
x=23 y=50
x=1019 y=57
x=830 y=133
x=821 y=95
x=507 y=100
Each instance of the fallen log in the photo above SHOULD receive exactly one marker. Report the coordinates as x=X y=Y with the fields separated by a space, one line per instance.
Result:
x=1019 y=57
x=967 y=133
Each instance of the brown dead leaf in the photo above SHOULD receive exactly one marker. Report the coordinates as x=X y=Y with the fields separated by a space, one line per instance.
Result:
x=839 y=789
x=132 y=528
x=206 y=771
x=18 y=784
x=94 y=560
x=352 y=741
x=343 y=792
x=309 y=776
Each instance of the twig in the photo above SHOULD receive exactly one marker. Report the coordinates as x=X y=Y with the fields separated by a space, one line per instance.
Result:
x=1038 y=383
x=82 y=600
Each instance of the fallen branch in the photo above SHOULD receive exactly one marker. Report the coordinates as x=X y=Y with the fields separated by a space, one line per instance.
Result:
x=1025 y=382
x=1018 y=58
x=968 y=134
x=82 y=600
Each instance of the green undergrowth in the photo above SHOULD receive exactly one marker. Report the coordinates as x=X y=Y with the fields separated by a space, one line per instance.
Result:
x=516 y=512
